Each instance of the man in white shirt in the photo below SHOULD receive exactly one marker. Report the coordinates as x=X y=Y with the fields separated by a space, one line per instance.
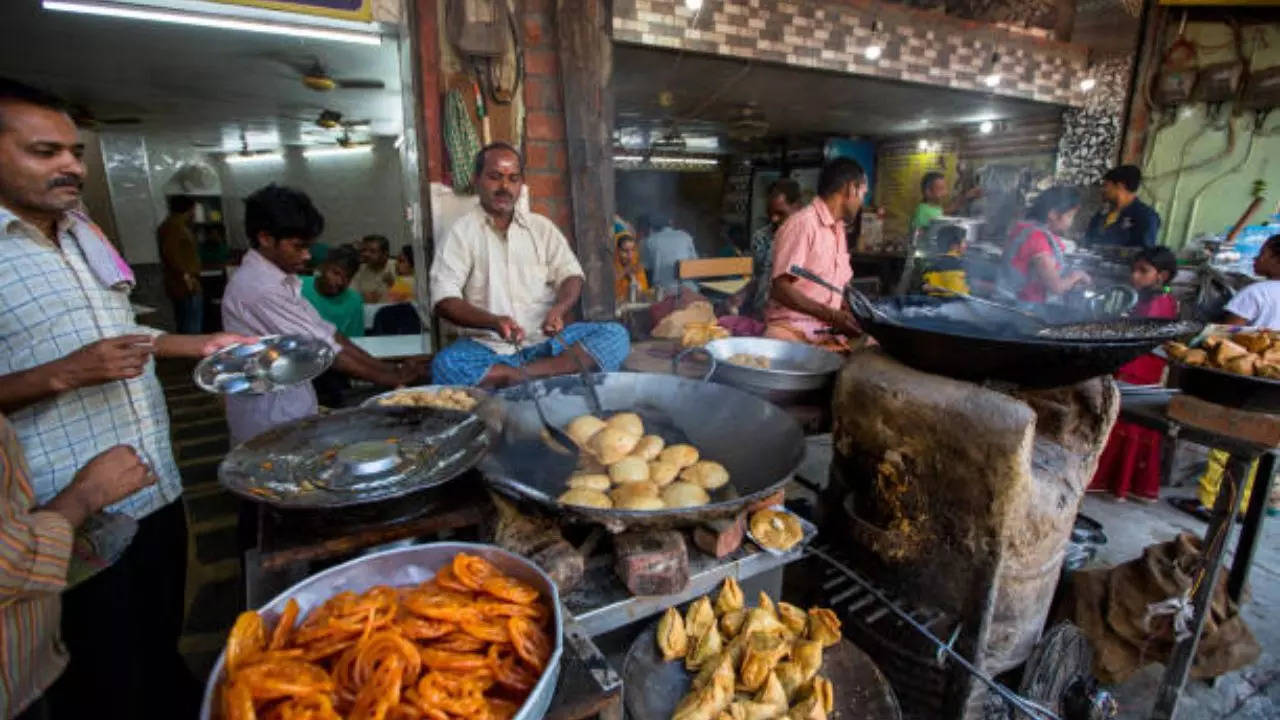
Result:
x=1258 y=305
x=508 y=280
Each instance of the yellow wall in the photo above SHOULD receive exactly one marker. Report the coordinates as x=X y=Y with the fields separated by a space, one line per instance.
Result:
x=1212 y=197
x=898 y=175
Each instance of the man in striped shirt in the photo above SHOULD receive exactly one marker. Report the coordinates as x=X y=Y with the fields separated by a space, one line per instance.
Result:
x=77 y=378
x=35 y=549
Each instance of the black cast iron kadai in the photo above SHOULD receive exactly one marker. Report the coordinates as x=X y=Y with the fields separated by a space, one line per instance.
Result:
x=968 y=341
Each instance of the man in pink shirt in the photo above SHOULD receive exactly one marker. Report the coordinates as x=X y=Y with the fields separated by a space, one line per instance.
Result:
x=264 y=297
x=814 y=239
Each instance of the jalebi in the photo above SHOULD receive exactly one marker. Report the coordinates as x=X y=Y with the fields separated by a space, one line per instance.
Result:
x=467 y=644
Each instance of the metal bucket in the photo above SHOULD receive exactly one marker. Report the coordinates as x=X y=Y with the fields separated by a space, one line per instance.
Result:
x=410 y=566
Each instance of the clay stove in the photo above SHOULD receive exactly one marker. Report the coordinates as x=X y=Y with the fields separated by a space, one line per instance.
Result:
x=959 y=500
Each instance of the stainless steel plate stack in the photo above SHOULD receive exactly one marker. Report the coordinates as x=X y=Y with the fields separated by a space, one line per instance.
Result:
x=273 y=363
x=355 y=456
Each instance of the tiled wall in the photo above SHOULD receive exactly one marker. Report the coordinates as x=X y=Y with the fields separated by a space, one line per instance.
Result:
x=917 y=46
x=1090 y=140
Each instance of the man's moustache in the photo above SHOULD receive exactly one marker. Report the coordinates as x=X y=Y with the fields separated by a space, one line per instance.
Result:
x=66 y=181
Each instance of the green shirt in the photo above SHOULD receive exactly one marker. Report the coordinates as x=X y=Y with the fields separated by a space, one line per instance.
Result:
x=925 y=214
x=346 y=311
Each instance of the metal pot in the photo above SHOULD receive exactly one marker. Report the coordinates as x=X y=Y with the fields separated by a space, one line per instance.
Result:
x=411 y=566
x=758 y=443
x=794 y=368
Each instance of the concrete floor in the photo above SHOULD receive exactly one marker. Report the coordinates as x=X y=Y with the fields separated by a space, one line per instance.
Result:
x=1250 y=693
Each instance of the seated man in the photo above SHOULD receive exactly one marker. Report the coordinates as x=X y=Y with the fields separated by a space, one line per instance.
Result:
x=814 y=239
x=377 y=273
x=266 y=295
x=507 y=278
x=329 y=292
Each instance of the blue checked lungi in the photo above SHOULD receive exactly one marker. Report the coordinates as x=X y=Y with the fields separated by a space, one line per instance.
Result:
x=466 y=361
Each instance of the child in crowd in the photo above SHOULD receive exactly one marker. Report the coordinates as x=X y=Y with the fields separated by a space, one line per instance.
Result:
x=947 y=270
x=1130 y=463
x=1257 y=305
x=402 y=290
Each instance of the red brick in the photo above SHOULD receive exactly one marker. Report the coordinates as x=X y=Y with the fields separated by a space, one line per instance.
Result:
x=562 y=216
x=533 y=31
x=539 y=6
x=541 y=156
x=550 y=186
x=540 y=62
x=542 y=92
x=544 y=126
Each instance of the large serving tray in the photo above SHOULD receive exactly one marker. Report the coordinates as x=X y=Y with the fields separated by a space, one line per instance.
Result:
x=411 y=566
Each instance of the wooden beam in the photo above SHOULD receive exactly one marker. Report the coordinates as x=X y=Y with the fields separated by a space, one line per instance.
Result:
x=430 y=134
x=586 y=70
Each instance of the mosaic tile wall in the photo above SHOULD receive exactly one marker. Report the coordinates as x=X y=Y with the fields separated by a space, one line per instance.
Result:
x=1091 y=134
x=917 y=46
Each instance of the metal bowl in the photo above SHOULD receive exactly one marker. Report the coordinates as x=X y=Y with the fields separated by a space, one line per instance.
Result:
x=273 y=363
x=793 y=366
x=410 y=566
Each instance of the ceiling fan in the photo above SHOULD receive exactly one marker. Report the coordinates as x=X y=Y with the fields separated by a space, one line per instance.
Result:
x=747 y=123
x=315 y=75
x=330 y=119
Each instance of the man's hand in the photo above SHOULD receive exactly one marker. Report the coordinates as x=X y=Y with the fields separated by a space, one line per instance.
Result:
x=843 y=322
x=507 y=328
x=104 y=480
x=118 y=358
x=554 y=322
x=217 y=341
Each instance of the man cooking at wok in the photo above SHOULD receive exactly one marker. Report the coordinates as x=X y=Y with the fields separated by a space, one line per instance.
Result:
x=814 y=238
x=508 y=280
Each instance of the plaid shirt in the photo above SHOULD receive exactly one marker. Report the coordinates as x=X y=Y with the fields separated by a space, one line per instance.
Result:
x=52 y=304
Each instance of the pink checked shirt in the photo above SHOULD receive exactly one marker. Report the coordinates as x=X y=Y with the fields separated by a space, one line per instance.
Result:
x=261 y=299
x=814 y=240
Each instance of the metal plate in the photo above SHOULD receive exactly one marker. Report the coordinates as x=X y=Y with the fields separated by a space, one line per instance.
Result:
x=411 y=566
x=651 y=687
x=376 y=400
x=334 y=460
x=1243 y=392
x=793 y=365
x=273 y=363
x=757 y=442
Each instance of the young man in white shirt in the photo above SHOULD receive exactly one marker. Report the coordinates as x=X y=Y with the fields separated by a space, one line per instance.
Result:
x=508 y=280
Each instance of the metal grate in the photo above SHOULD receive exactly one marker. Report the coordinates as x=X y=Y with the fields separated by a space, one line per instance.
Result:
x=906 y=657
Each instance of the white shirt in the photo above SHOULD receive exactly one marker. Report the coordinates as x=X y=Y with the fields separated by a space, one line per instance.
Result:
x=1259 y=304
x=261 y=299
x=514 y=274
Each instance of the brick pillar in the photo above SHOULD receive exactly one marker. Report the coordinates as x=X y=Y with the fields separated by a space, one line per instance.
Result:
x=546 y=164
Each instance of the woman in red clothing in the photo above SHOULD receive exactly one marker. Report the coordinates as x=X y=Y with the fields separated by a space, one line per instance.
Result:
x=1130 y=462
x=1032 y=267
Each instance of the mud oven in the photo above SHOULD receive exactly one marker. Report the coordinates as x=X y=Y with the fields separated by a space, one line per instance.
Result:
x=957 y=500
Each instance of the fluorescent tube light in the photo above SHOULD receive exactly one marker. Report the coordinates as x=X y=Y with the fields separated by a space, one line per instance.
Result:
x=330 y=151
x=186 y=17
x=232 y=159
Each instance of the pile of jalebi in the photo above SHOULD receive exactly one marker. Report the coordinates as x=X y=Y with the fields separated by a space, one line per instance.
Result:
x=469 y=643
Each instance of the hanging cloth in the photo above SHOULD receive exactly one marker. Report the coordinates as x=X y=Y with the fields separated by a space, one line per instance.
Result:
x=460 y=140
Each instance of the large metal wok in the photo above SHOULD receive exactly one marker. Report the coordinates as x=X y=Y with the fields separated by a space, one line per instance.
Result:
x=759 y=444
x=976 y=342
